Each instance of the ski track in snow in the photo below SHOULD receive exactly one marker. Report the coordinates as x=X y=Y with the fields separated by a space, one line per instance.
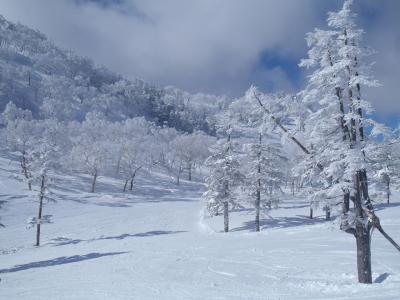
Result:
x=220 y=272
x=162 y=245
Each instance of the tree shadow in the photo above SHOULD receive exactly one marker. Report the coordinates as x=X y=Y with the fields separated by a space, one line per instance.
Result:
x=141 y=194
x=58 y=261
x=295 y=206
x=381 y=278
x=382 y=206
x=283 y=222
x=61 y=241
x=144 y=234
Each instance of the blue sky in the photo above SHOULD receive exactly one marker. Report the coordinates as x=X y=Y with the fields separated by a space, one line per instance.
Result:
x=218 y=47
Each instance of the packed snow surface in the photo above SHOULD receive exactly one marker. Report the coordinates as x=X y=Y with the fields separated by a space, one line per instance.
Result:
x=157 y=242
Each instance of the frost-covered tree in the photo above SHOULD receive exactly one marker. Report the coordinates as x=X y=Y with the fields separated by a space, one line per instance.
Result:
x=45 y=154
x=91 y=150
x=264 y=163
x=224 y=179
x=164 y=154
x=265 y=174
x=386 y=167
x=20 y=137
x=12 y=113
x=337 y=125
x=192 y=149
x=134 y=140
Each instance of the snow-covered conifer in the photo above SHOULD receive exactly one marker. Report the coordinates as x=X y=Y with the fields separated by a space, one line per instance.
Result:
x=265 y=174
x=45 y=155
x=224 y=179
x=337 y=123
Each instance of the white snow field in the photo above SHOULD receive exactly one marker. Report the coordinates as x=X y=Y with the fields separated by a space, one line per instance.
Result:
x=157 y=243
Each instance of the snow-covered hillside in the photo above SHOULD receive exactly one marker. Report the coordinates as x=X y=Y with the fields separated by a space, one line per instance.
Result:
x=55 y=83
x=157 y=243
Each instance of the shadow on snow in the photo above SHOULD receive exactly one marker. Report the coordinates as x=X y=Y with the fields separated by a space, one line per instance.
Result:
x=282 y=222
x=61 y=241
x=381 y=278
x=58 y=261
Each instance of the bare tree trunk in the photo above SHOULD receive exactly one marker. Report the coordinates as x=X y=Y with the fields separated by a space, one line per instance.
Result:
x=190 y=172
x=292 y=186
x=346 y=202
x=311 y=212
x=226 y=216
x=362 y=234
x=41 y=195
x=327 y=213
x=388 y=189
x=258 y=200
x=133 y=177
x=94 y=182
x=258 y=194
x=125 y=185
x=118 y=165
x=24 y=165
x=178 y=176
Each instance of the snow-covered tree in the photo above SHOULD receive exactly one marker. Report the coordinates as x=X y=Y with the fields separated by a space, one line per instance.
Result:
x=20 y=138
x=91 y=150
x=337 y=125
x=386 y=167
x=224 y=179
x=192 y=149
x=164 y=154
x=265 y=174
x=45 y=154
x=12 y=113
x=134 y=141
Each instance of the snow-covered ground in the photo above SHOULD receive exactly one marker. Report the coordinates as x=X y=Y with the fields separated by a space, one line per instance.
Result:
x=157 y=243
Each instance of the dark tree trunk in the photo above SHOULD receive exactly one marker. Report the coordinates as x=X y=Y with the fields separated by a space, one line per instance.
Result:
x=292 y=187
x=178 y=176
x=311 y=212
x=94 y=182
x=118 y=165
x=24 y=165
x=190 y=172
x=125 y=185
x=226 y=217
x=258 y=200
x=41 y=195
x=327 y=213
x=133 y=178
x=363 y=254
x=346 y=203
x=387 y=180
x=258 y=193
x=362 y=233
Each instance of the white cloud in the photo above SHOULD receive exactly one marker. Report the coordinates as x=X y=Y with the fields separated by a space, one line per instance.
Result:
x=200 y=45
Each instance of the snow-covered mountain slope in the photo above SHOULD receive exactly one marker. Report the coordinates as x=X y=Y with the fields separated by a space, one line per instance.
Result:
x=157 y=243
x=51 y=82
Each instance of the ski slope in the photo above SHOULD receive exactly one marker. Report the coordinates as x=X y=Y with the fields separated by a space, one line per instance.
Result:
x=158 y=243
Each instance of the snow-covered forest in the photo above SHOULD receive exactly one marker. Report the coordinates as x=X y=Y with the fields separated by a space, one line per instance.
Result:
x=112 y=188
